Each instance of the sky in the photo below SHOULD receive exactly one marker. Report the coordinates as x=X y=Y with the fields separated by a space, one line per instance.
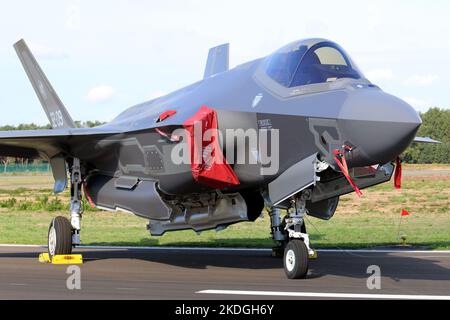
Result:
x=103 y=56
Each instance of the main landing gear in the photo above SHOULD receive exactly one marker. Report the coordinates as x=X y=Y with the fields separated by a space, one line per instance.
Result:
x=290 y=233
x=63 y=234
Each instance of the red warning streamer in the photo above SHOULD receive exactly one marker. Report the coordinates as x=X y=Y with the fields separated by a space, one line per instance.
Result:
x=166 y=114
x=163 y=116
x=88 y=196
x=398 y=174
x=342 y=163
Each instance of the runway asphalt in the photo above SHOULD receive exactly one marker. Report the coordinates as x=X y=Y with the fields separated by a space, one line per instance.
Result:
x=126 y=273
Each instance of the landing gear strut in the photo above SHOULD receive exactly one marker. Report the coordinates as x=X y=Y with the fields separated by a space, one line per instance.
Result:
x=290 y=233
x=63 y=234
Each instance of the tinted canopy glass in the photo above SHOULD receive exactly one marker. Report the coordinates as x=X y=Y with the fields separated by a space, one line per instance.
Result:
x=306 y=62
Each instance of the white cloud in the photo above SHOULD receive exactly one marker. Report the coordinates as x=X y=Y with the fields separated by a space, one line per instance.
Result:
x=379 y=74
x=418 y=104
x=45 y=52
x=374 y=17
x=73 y=21
x=420 y=80
x=316 y=28
x=100 y=93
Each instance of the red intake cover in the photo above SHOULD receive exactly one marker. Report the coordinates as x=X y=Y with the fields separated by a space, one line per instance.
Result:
x=208 y=165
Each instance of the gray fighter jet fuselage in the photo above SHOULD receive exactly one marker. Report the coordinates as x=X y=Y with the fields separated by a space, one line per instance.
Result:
x=296 y=129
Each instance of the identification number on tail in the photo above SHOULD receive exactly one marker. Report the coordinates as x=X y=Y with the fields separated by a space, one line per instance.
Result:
x=57 y=119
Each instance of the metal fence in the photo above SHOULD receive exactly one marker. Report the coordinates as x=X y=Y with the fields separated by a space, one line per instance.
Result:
x=23 y=168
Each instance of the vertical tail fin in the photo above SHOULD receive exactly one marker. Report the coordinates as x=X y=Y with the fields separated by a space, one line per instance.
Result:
x=218 y=60
x=53 y=107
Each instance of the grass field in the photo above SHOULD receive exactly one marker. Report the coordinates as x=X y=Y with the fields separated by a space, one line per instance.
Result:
x=27 y=206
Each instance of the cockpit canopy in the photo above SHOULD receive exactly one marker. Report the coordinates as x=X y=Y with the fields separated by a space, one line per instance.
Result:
x=310 y=62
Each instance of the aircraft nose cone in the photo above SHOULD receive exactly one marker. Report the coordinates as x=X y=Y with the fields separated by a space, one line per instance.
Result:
x=379 y=125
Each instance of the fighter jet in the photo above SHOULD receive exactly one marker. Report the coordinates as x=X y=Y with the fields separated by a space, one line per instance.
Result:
x=286 y=134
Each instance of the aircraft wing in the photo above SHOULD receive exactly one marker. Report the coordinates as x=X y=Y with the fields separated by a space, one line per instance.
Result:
x=54 y=145
x=46 y=143
x=63 y=138
x=426 y=140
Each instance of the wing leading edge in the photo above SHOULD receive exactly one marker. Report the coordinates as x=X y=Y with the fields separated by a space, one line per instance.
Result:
x=46 y=143
x=55 y=145
x=426 y=140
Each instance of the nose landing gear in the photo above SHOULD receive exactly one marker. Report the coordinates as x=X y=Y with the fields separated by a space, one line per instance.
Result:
x=290 y=233
x=295 y=259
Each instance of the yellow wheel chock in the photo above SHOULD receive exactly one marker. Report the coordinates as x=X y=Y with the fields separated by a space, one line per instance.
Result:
x=313 y=256
x=61 y=259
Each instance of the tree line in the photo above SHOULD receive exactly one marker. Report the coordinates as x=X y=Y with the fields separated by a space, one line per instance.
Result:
x=6 y=162
x=436 y=125
x=32 y=126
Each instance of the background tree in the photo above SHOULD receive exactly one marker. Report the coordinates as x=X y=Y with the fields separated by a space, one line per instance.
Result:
x=6 y=162
x=436 y=125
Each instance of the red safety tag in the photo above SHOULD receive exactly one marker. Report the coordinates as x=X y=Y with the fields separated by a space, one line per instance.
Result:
x=88 y=196
x=166 y=114
x=163 y=116
x=398 y=173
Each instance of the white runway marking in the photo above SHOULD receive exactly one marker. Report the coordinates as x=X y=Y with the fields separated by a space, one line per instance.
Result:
x=145 y=248
x=326 y=295
x=22 y=246
x=234 y=249
x=128 y=289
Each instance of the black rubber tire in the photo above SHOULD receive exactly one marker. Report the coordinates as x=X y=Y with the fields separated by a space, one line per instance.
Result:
x=298 y=255
x=63 y=232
